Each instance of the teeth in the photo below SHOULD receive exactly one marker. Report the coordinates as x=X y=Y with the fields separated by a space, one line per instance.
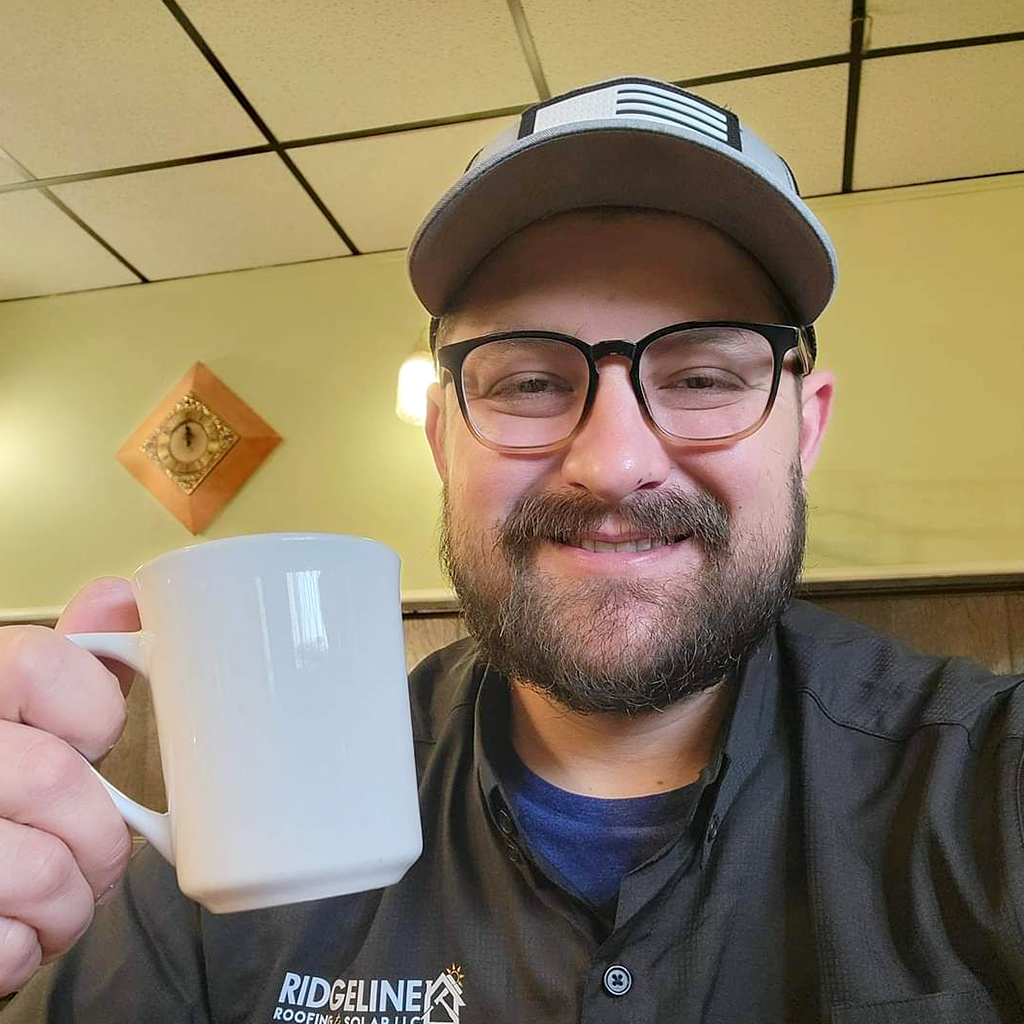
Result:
x=629 y=546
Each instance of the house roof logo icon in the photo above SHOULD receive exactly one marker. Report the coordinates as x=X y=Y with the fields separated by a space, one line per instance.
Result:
x=444 y=997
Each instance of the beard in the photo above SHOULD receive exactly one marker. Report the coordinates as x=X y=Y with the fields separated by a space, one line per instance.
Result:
x=624 y=645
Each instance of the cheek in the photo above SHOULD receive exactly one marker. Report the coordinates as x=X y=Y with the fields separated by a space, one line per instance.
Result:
x=772 y=450
x=484 y=485
x=751 y=478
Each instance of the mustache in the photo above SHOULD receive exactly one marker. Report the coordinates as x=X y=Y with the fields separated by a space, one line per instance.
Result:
x=666 y=513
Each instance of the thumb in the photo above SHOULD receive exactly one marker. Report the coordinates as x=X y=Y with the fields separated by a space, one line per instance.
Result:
x=105 y=605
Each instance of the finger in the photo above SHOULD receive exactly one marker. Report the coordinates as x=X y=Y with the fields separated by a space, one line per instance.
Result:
x=106 y=605
x=20 y=954
x=45 y=784
x=48 y=682
x=41 y=886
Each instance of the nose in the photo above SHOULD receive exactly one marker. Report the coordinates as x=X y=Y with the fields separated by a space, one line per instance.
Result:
x=616 y=452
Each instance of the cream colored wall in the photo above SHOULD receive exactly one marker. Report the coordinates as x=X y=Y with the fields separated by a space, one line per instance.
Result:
x=314 y=348
x=923 y=467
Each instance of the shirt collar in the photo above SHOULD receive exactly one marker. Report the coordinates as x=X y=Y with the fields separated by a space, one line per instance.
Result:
x=745 y=738
x=739 y=748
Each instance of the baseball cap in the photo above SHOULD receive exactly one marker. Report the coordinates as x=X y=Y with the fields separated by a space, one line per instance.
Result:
x=635 y=142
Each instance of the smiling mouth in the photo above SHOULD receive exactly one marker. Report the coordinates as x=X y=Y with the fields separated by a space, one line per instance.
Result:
x=624 y=547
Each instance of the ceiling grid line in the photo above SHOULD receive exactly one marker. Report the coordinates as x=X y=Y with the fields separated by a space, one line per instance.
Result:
x=918 y=184
x=224 y=75
x=529 y=48
x=858 y=16
x=93 y=234
x=406 y=126
x=761 y=72
x=202 y=273
x=156 y=165
x=318 y=202
x=945 y=44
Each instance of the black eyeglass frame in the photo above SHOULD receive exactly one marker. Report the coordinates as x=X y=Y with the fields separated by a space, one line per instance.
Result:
x=783 y=338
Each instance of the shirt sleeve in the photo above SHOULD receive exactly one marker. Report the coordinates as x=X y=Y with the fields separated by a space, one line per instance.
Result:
x=140 y=960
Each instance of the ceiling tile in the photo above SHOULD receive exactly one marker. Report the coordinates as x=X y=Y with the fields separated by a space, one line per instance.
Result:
x=581 y=41
x=314 y=68
x=800 y=114
x=45 y=251
x=381 y=187
x=943 y=114
x=203 y=218
x=108 y=83
x=899 y=22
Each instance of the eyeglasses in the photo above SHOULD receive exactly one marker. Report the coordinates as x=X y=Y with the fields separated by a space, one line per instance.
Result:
x=697 y=383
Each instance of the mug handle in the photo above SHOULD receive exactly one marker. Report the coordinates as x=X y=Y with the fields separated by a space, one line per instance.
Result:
x=127 y=648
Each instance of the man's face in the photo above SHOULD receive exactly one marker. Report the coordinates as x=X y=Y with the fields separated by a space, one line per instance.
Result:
x=623 y=631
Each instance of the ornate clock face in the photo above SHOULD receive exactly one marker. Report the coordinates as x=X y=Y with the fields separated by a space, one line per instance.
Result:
x=189 y=443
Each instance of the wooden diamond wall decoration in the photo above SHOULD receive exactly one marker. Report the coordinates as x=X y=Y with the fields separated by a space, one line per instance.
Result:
x=197 y=447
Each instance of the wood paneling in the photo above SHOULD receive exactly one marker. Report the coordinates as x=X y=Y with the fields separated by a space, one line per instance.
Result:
x=426 y=633
x=1015 y=621
x=976 y=626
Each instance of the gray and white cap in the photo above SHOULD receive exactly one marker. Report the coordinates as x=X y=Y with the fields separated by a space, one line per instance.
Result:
x=627 y=142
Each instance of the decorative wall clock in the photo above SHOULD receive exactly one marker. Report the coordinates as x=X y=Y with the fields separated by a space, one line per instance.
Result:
x=197 y=447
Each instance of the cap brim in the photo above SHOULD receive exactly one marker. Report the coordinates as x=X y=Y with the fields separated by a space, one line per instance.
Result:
x=622 y=163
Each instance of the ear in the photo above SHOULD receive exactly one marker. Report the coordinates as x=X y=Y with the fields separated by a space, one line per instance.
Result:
x=435 y=428
x=818 y=388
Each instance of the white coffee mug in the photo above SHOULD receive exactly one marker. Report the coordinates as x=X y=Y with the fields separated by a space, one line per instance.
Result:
x=278 y=678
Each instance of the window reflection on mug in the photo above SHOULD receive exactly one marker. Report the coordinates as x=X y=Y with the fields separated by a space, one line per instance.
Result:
x=309 y=636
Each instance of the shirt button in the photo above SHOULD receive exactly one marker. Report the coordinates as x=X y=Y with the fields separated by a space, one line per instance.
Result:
x=505 y=822
x=712 y=828
x=617 y=980
x=513 y=852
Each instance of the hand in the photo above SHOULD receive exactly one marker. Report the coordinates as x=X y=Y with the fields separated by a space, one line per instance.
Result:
x=62 y=843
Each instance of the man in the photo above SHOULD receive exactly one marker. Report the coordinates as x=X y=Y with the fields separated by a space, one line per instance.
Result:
x=654 y=787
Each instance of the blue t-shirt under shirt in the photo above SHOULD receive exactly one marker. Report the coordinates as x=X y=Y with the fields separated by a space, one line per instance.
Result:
x=592 y=842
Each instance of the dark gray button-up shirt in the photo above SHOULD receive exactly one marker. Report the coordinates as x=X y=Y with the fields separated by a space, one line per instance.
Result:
x=854 y=856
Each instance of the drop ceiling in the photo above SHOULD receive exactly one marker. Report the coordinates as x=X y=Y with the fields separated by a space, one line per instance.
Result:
x=149 y=139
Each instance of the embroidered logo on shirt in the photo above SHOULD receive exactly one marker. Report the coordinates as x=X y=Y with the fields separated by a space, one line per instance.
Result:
x=308 y=999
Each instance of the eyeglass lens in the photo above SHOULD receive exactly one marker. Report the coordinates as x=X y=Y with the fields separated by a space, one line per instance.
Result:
x=700 y=383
